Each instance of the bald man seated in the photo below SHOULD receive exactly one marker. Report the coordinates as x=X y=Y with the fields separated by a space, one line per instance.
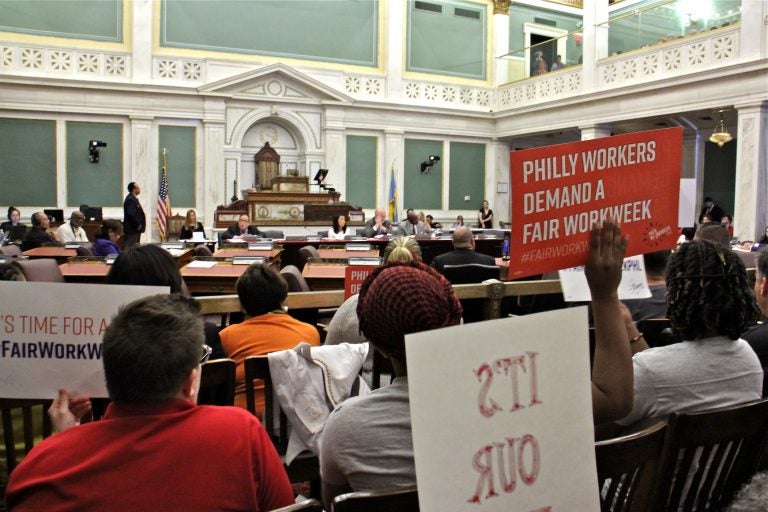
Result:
x=463 y=252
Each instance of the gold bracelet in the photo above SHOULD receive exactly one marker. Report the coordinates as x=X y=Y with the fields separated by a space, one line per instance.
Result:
x=636 y=338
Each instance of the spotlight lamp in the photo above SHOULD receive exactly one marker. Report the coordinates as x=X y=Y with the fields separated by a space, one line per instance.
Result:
x=720 y=134
x=93 y=153
x=426 y=165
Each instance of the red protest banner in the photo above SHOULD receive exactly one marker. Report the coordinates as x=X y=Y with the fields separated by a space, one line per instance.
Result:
x=559 y=192
x=354 y=276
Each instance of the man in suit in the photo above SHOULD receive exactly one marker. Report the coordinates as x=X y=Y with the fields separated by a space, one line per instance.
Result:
x=463 y=252
x=411 y=225
x=134 y=221
x=378 y=225
x=240 y=229
x=38 y=235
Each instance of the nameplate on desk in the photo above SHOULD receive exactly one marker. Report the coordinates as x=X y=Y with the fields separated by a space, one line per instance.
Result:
x=295 y=237
x=248 y=260
x=110 y=259
x=172 y=245
x=365 y=260
x=358 y=247
x=445 y=237
x=313 y=239
x=71 y=245
x=260 y=246
x=356 y=238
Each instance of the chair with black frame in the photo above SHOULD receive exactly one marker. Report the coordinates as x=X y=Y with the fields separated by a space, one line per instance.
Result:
x=217 y=383
x=709 y=455
x=305 y=506
x=401 y=499
x=471 y=273
x=274 y=234
x=23 y=421
x=306 y=252
x=630 y=466
x=305 y=467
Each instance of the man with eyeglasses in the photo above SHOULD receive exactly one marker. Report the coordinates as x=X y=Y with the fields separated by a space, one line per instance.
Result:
x=155 y=449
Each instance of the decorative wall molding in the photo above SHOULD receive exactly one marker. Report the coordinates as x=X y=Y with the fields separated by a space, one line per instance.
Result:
x=184 y=70
x=364 y=87
x=441 y=95
x=673 y=58
x=59 y=62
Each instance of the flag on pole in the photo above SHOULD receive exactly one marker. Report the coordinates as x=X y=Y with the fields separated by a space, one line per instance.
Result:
x=163 y=204
x=392 y=213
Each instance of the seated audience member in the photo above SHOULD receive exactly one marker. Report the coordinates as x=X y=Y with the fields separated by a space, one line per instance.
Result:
x=72 y=231
x=10 y=273
x=13 y=229
x=268 y=328
x=463 y=252
x=727 y=222
x=339 y=230
x=151 y=265
x=459 y=222
x=654 y=306
x=366 y=443
x=38 y=235
x=106 y=239
x=154 y=443
x=345 y=326
x=241 y=228
x=190 y=226
x=757 y=336
x=713 y=232
x=411 y=225
x=764 y=239
x=378 y=225
x=709 y=304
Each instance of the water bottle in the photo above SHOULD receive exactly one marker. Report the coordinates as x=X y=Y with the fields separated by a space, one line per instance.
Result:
x=505 y=249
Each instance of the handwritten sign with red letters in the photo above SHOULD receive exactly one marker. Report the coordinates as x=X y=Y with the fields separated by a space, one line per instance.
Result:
x=501 y=413
x=559 y=192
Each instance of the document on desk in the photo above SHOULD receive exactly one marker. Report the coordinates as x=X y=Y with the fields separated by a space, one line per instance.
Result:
x=201 y=264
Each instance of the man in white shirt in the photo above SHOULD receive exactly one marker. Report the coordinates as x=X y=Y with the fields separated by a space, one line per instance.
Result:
x=72 y=231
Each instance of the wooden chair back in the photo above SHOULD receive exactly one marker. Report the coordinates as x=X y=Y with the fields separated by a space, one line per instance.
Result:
x=217 y=383
x=709 y=455
x=627 y=468
x=304 y=467
x=305 y=506
x=24 y=422
x=400 y=499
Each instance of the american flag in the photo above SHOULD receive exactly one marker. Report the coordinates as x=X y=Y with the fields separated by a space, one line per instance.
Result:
x=163 y=204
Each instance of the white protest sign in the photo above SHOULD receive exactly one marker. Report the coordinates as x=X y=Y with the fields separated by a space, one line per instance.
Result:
x=686 y=215
x=501 y=413
x=633 y=285
x=50 y=335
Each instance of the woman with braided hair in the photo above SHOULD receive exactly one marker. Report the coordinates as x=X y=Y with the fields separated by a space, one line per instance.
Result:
x=710 y=303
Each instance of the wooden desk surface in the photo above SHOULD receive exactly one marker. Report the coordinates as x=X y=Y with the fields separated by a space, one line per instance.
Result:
x=342 y=253
x=84 y=272
x=221 y=278
x=324 y=276
x=230 y=252
x=60 y=254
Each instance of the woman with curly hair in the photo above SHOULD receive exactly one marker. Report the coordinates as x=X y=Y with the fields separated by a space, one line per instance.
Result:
x=710 y=303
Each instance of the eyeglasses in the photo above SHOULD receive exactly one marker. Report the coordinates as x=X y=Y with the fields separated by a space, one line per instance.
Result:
x=206 y=353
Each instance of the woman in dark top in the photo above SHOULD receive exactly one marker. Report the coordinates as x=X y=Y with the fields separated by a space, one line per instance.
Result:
x=485 y=216
x=190 y=225
x=106 y=240
x=13 y=229
x=764 y=240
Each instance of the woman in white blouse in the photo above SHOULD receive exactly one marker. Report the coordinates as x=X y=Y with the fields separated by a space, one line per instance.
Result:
x=339 y=229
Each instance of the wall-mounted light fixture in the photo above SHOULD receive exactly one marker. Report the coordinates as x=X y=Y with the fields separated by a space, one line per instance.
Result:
x=720 y=134
x=426 y=165
x=93 y=153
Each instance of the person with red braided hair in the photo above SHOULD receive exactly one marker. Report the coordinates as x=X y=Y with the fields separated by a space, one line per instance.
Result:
x=366 y=443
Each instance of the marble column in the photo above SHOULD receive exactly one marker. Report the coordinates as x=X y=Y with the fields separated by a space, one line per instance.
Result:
x=497 y=160
x=595 y=131
x=500 y=41
x=394 y=42
x=594 y=43
x=141 y=44
x=214 y=129
x=143 y=160
x=335 y=146
x=751 y=195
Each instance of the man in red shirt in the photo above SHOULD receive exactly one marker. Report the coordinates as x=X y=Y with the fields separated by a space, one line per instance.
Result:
x=155 y=449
